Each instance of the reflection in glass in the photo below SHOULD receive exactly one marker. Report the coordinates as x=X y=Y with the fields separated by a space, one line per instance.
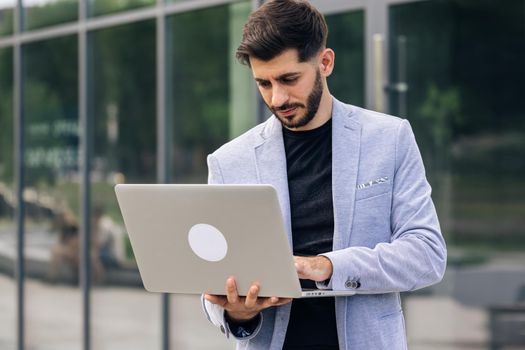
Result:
x=209 y=88
x=104 y=7
x=124 y=116
x=212 y=100
x=43 y=13
x=462 y=63
x=346 y=38
x=51 y=195
x=7 y=204
x=6 y=16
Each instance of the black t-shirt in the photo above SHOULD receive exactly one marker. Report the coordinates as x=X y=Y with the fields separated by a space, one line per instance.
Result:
x=312 y=323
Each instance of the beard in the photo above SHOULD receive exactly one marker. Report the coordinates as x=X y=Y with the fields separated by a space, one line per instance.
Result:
x=311 y=108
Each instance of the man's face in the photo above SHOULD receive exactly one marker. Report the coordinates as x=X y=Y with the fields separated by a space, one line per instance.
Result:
x=292 y=90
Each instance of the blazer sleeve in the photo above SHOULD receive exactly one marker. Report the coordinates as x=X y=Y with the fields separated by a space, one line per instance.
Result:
x=214 y=313
x=416 y=255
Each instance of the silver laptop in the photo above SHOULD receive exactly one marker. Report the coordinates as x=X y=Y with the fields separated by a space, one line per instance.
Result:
x=190 y=238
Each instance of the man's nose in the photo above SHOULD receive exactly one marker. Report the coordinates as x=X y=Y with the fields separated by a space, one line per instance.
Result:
x=279 y=96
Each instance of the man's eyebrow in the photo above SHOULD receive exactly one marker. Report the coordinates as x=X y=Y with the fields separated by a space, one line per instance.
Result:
x=280 y=77
x=288 y=75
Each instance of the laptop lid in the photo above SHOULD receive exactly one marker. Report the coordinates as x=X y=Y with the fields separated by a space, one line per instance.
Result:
x=190 y=238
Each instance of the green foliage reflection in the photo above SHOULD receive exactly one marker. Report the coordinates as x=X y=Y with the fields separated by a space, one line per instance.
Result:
x=465 y=77
x=50 y=13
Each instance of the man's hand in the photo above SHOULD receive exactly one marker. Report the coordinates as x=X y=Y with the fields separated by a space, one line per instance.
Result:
x=316 y=268
x=243 y=309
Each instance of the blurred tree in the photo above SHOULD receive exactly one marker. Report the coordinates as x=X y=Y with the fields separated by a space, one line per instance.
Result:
x=346 y=37
x=50 y=13
x=103 y=7
x=465 y=74
x=200 y=94
x=6 y=20
x=123 y=98
x=51 y=110
x=200 y=77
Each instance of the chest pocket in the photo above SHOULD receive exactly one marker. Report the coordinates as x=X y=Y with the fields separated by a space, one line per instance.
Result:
x=371 y=223
x=373 y=188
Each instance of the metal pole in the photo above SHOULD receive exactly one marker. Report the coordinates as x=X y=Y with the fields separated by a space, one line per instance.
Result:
x=84 y=168
x=379 y=78
x=19 y=188
x=262 y=111
x=376 y=50
x=162 y=142
x=18 y=104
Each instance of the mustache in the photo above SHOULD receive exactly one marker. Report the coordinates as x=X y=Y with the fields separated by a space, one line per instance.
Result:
x=287 y=106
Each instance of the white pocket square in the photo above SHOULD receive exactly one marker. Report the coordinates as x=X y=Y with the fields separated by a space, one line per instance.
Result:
x=372 y=183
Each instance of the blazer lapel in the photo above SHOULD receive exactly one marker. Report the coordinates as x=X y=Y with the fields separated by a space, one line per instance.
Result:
x=270 y=161
x=346 y=141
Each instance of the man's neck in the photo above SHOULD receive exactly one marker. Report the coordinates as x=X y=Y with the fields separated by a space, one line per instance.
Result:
x=324 y=113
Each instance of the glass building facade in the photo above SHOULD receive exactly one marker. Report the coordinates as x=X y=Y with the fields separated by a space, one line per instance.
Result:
x=99 y=92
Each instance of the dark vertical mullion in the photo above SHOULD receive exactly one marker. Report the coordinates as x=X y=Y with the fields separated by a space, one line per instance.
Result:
x=18 y=109
x=162 y=140
x=161 y=81
x=261 y=109
x=84 y=168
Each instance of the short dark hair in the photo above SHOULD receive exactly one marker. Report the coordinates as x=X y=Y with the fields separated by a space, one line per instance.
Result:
x=279 y=25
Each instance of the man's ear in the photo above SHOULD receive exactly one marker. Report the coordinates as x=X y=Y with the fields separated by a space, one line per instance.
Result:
x=326 y=62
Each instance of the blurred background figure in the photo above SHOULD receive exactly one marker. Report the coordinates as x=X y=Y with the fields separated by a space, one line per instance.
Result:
x=65 y=252
x=105 y=235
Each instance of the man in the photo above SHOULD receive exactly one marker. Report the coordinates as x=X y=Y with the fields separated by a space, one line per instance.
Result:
x=352 y=189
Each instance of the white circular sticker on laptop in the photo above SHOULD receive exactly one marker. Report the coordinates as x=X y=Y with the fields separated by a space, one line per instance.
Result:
x=207 y=242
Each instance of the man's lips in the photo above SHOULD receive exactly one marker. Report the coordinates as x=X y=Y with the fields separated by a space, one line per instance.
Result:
x=288 y=112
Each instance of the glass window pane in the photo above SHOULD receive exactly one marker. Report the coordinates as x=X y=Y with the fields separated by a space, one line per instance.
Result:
x=346 y=38
x=124 y=115
x=7 y=205
x=51 y=195
x=6 y=17
x=43 y=13
x=212 y=95
x=463 y=65
x=212 y=99
x=103 y=7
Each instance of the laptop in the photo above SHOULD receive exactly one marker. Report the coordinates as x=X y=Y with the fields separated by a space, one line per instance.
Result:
x=189 y=239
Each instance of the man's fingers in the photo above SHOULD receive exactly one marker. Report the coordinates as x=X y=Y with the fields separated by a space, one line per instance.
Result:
x=300 y=266
x=274 y=301
x=283 y=301
x=251 y=298
x=315 y=268
x=239 y=307
x=268 y=302
x=216 y=299
x=231 y=291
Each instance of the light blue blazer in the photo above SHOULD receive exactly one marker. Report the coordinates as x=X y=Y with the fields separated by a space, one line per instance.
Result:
x=387 y=237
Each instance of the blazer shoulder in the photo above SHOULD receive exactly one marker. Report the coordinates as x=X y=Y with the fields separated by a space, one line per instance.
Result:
x=376 y=121
x=369 y=120
x=385 y=132
x=378 y=130
x=237 y=147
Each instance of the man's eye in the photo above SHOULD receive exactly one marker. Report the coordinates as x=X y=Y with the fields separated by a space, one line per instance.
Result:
x=289 y=80
x=264 y=84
